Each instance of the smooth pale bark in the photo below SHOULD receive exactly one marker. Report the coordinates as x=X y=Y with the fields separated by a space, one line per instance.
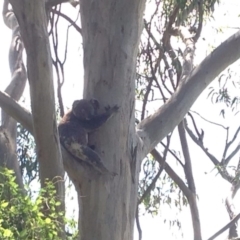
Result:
x=154 y=128
x=111 y=31
x=24 y=117
x=192 y=198
x=8 y=130
x=16 y=111
x=32 y=21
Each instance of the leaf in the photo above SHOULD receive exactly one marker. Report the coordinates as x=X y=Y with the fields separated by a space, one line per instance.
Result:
x=48 y=220
x=4 y=204
x=7 y=233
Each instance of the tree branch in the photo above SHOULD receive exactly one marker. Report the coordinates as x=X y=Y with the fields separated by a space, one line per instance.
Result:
x=24 y=117
x=172 y=174
x=33 y=29
x=67 y=19
x=15 y=89
x=52 y=3
x=18 y=71
x=16 y=111
x=154 y=128
x=233 y=221
x=221 y=168
x=162 y=165
x=233 y=153
x=186 y=154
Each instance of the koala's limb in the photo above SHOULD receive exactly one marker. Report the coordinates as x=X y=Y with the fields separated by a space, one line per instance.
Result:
x=75 y=126
x=85 y=154
x=98 y=120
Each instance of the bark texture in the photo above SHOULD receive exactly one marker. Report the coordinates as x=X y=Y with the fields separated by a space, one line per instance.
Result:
x=32 y=20
x=8 y=130
x=111 y=31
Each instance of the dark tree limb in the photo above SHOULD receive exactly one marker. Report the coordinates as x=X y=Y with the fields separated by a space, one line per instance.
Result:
x=227 y=226
x=73 y=23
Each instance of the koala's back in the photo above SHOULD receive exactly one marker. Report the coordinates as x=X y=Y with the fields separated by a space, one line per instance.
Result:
x=75 y=126
x=70 y=128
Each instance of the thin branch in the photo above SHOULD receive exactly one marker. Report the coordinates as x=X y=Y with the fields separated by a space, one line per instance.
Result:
x=217 y=124
x=57 y=62
x=173 y=175
x=195 y=125
x=73 y=23
x=151 y=186
x=234 y=152
x=225 y=160
x=188 y=164
x=52 y=3
x=200 y=144
x=174 y=155
x=233 y=139
x=138 y=224
x=227 y=226
x=226 y=146
x=200 y=17
x=154 y=128
x=221 y=169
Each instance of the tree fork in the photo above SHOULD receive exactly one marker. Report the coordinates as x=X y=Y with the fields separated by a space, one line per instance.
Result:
x=111 y=32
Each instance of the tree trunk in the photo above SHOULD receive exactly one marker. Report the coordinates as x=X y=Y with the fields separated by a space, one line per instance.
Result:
x=111 y=30
x=32 y=20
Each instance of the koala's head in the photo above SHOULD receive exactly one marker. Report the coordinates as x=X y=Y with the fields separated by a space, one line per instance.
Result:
x=85 y=109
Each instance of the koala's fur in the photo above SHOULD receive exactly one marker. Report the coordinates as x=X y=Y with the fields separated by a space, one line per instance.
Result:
x=75 y=126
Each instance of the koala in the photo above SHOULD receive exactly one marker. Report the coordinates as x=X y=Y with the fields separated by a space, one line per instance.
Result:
x=74 y=127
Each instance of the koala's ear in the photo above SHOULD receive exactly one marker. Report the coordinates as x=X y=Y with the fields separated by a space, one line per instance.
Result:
x=75 y=103
x=95 y=103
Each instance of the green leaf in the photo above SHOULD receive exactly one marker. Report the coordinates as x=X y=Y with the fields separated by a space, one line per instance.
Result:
x=4 y=204
x=48 y=220
x=7 y=233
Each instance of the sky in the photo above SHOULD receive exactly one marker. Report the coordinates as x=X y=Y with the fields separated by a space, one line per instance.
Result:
x=211 y=188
